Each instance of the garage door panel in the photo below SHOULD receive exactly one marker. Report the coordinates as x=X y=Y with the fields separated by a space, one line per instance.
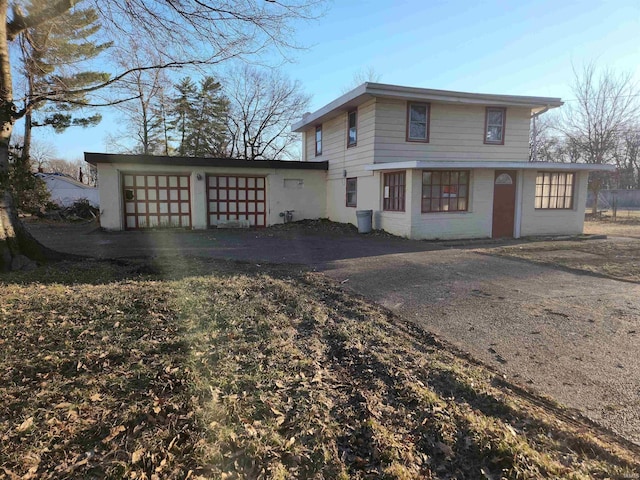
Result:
x=156 y=200
x=236 y=198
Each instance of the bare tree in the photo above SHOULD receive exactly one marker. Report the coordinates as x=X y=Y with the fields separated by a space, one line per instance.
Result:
x=262 y=106
x=145 y=111
x=186 y=32
x=41 y=151
x=363 y=75
x=627 y=158
x=604 y=107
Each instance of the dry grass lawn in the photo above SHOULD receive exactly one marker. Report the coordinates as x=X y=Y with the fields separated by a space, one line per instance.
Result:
x=617 y=258
x=623 y=226
x=223 y=370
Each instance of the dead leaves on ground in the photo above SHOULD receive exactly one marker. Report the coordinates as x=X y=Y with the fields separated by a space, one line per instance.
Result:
x=257 y=376
x=89 y=379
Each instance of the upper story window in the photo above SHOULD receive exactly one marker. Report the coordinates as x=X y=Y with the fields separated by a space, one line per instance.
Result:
x=495 y=118
x=318 y=140
x=445 y=191
x=393 y=198
x=352 y=133
x=554 y=190
x=418 y=122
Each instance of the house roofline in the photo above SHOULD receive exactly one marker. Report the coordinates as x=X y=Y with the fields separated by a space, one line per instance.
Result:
x=64 y=177
x=473 y=165
x=371 y=90
x=96 y=158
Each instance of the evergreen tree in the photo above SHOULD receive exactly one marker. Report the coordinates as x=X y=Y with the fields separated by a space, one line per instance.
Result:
x=199 y=118
x=53 y=58
x=208 y=126
x=182 y=112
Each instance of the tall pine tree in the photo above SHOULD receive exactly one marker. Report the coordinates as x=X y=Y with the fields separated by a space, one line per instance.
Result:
x=199 y=118
x=182 y=112
x=209 y=125
x=54 y=56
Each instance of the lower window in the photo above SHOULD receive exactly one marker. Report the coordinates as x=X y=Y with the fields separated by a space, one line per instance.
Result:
x=445 y=191
x=352 y=192
x=554 y=190
x=393 y=200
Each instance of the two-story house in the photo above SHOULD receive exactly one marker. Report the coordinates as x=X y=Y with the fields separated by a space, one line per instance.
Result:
x=429 y=164
x=440 y=164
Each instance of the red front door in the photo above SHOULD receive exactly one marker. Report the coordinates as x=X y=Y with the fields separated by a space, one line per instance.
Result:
x=504 y=203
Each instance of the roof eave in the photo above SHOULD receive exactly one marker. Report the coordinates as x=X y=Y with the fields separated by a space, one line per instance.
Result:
x=371 y=90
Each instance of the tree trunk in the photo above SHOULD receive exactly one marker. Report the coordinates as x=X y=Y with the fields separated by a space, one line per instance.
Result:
x=17 y=246
x=26 y=146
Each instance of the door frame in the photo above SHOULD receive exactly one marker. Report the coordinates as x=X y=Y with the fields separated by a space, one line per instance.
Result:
x=516 y=183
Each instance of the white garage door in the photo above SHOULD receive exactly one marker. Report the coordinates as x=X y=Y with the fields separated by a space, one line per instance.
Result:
x=152 y=201
x=234 y=198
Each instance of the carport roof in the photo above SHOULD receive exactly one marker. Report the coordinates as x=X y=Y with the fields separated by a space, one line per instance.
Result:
x=96 y=158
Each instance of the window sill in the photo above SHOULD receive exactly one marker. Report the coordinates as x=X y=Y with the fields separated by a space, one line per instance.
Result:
x=417 y=140
x=555 y=209
x=456 y=212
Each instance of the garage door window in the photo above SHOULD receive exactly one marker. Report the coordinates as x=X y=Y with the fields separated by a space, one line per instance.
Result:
x=234 y=198
x=153 y=201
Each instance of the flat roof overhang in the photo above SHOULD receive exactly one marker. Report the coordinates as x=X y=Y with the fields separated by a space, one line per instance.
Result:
x=471 y=165
x=369 y=90
x=96 y=158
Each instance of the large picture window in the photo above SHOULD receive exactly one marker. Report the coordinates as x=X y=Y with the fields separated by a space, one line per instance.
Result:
x=418 y=122
x=495 y=119
x=352 y=132
x=554 y=190
x=352 y=192
x=318 y=140
x=394 y=186
x=445 y=191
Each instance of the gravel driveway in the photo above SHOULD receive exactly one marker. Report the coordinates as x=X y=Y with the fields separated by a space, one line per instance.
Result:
x=573 y=337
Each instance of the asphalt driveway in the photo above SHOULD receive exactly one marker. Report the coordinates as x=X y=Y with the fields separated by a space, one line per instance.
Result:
x=573 y=337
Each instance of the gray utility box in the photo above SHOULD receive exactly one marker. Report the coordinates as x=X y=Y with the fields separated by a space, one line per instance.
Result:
x=364 y=220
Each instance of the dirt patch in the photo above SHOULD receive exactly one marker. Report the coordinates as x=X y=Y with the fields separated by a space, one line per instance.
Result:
x=614 y=258
x=227 y=370
x=623 y=227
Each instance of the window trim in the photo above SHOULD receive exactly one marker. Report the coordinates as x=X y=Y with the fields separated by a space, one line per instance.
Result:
x=346 y=200
x=354 y=144
x=404 y=190
x=486 y=124
x=428 y=132
x=318 y=129
x=467 y=197
x=573 y=191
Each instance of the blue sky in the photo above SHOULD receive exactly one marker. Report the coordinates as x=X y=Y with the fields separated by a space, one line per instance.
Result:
x=510 y=47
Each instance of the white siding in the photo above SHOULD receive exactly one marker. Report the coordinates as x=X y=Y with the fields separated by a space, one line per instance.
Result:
x=474 y=223
x=307 y=199
x=65 y=193
x=552 y=222
x=334 y=143
x=457 y=133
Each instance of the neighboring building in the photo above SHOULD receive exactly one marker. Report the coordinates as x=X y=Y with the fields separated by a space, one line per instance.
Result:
x=439 y=164
x=66 y=190
x=143 y=191
x=430 y=164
